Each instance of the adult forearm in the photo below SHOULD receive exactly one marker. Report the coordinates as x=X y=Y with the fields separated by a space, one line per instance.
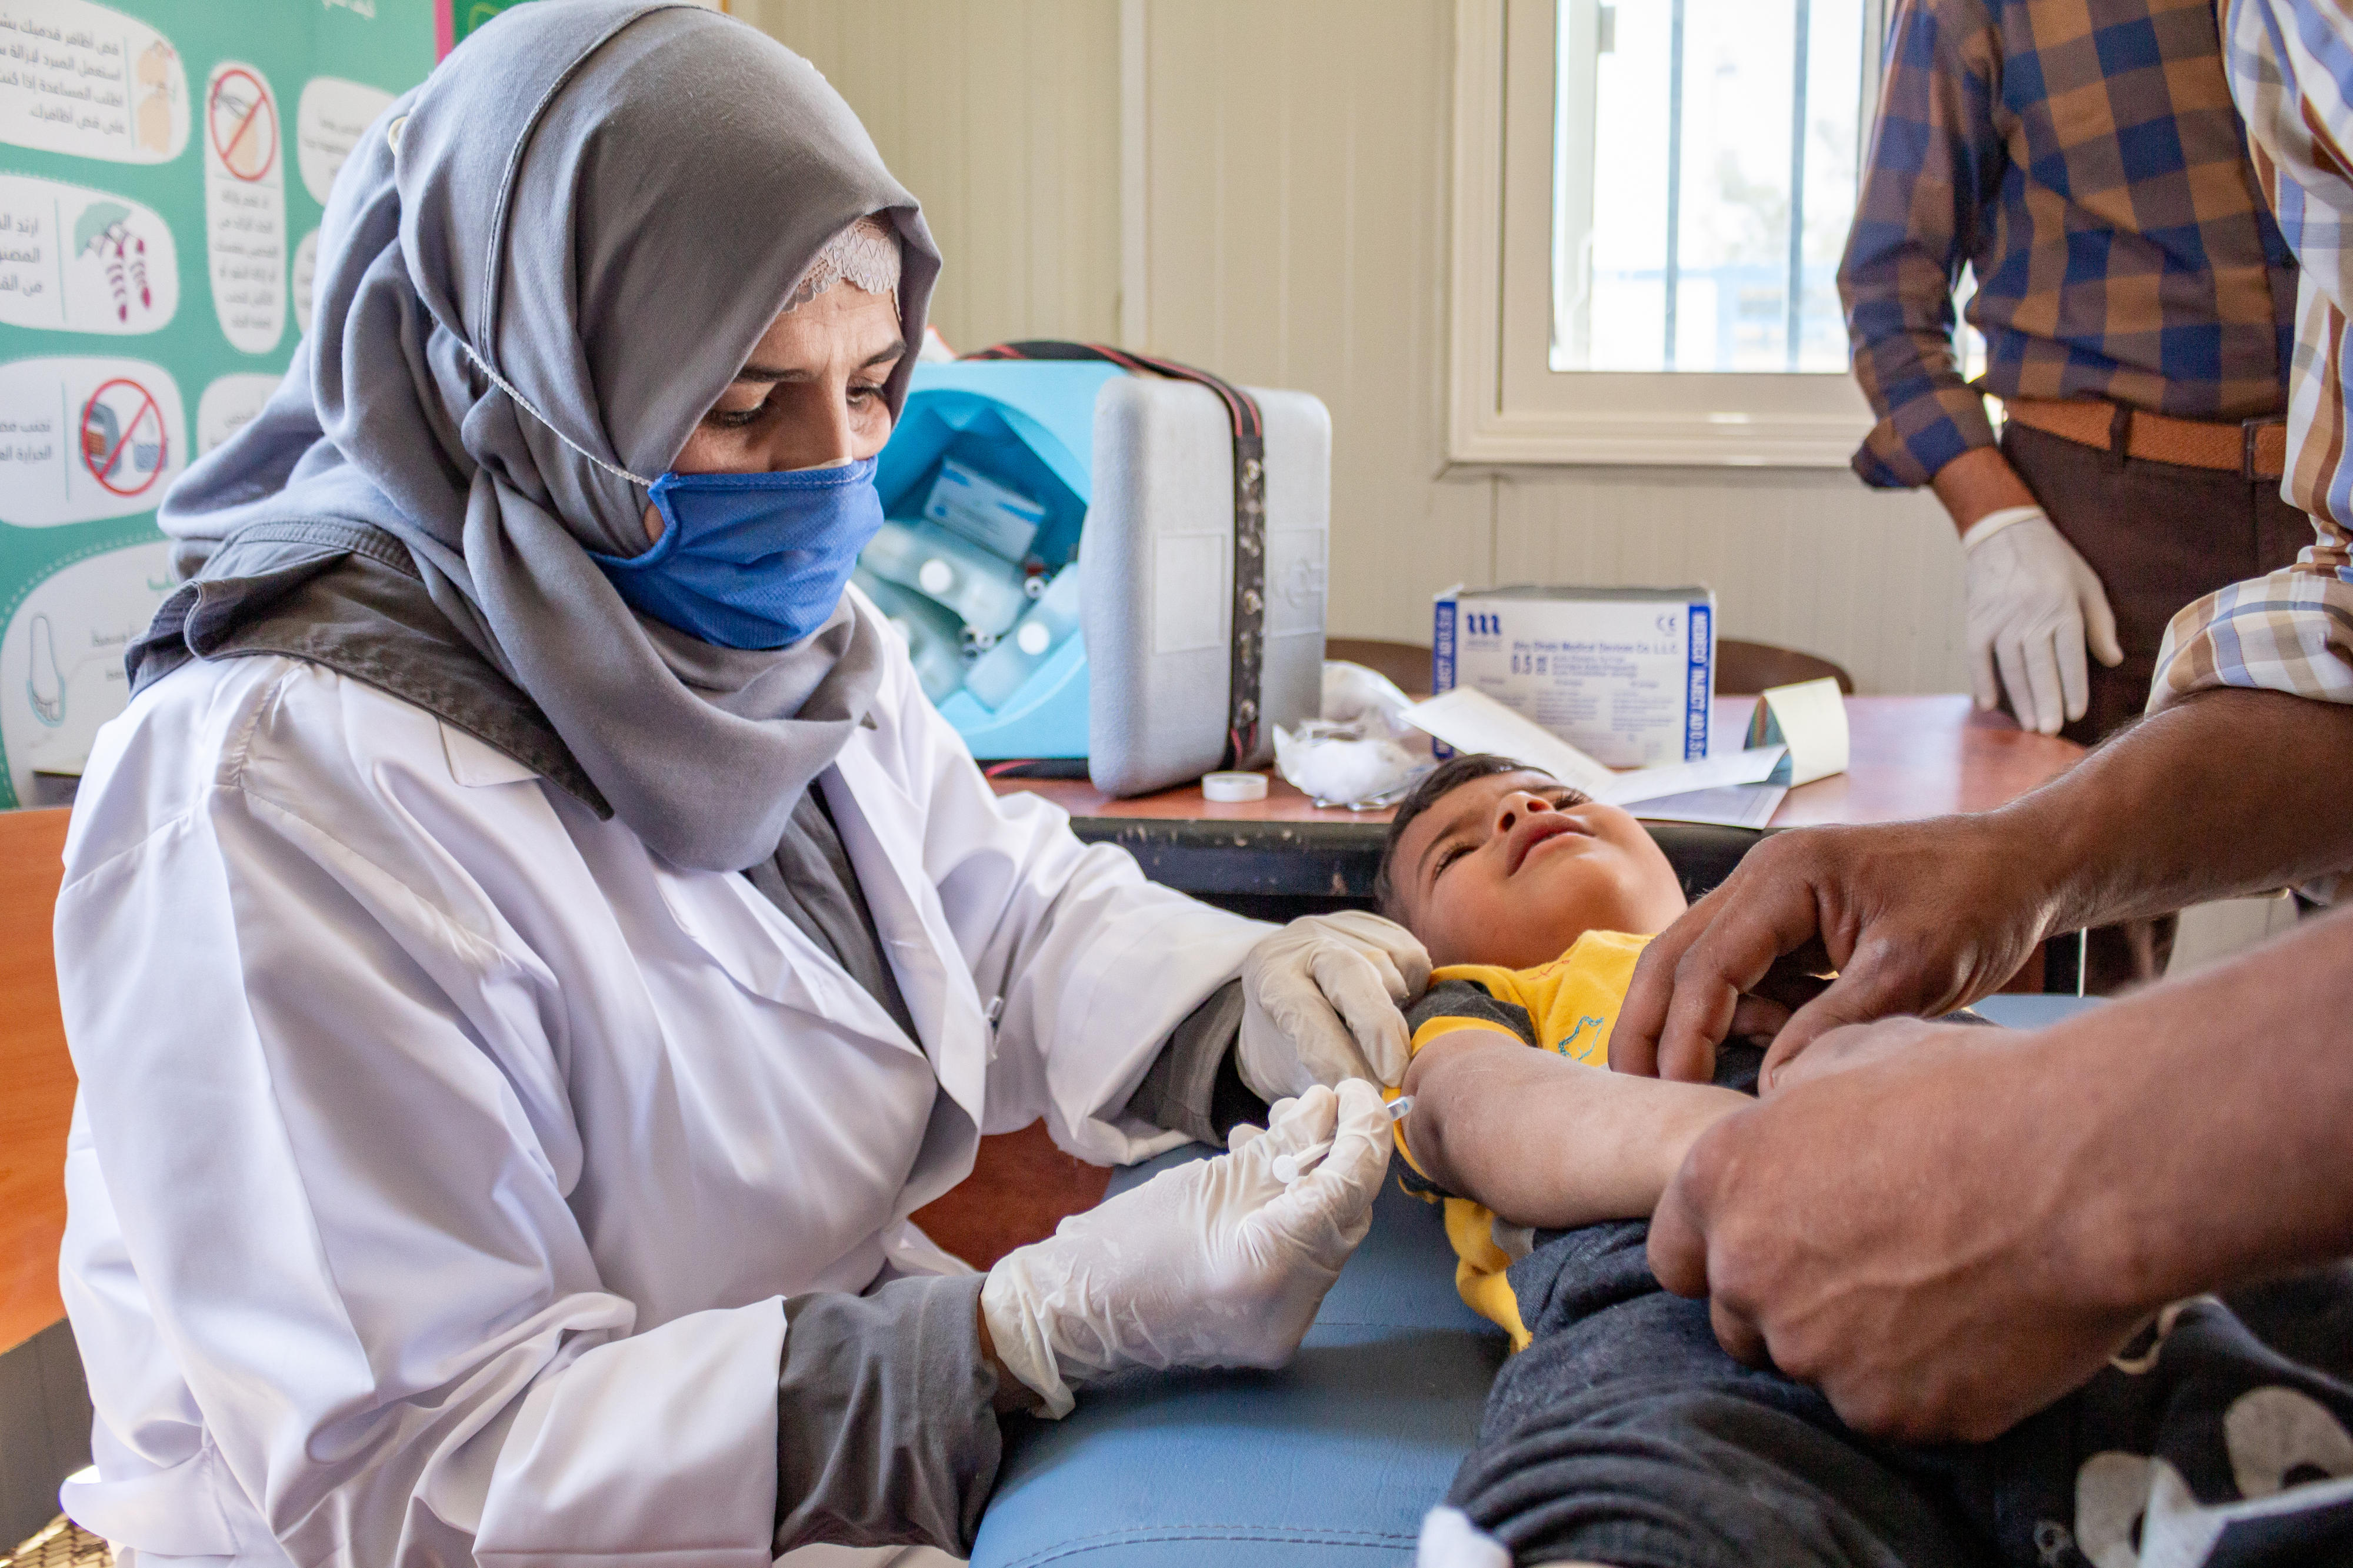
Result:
x=2230 y=792
x=1979 y=483
x=2214 y=1118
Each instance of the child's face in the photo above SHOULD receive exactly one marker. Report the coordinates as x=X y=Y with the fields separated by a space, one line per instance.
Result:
x=1512 y=869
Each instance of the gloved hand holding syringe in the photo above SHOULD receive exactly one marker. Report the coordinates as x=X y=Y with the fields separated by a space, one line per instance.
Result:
x=1216 y=1263
x=1288 y=1168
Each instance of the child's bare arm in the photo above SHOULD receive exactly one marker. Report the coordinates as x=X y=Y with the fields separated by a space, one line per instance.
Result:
x=1547 y=1142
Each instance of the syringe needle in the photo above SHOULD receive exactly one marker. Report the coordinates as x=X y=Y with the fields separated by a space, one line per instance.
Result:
x=1288 y=1168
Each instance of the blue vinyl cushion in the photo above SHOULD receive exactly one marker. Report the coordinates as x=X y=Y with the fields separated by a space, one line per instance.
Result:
x=1329 y=1463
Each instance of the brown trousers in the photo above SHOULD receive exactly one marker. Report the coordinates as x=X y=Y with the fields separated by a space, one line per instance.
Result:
x=2161 y=537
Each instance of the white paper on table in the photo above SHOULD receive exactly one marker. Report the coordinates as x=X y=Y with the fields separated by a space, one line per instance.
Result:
x=1733 y=805
x=1470 y=721
x=1720 y=770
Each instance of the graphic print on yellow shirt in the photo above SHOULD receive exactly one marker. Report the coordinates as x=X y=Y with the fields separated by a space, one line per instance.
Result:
x=1569 y=1005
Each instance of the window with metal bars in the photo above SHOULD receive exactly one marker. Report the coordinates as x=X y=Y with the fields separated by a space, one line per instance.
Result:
x=1705 y=158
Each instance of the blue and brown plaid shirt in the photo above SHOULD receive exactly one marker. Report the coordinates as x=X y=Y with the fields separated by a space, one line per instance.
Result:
x=2084 y=158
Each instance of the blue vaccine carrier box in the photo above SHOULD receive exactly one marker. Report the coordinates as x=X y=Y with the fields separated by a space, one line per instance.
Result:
x=997 y=473
x=1028 y=427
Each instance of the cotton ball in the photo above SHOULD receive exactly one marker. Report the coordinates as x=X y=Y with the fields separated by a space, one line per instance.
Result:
x=1342 y=770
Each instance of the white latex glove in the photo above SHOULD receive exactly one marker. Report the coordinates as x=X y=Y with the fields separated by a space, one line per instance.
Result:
x=1320 y=1000
x=2033 y=600
x=1210 y=1264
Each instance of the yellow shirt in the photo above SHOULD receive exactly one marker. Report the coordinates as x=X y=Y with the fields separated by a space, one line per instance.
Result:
x=1569 y=1005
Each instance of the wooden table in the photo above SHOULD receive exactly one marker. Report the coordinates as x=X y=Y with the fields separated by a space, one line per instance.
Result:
x=37 y=1078
x=1909 y=757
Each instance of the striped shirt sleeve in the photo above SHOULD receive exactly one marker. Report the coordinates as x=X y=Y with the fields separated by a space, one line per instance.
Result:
x=1459 y=1003
x=2291 y=70
x=1936 y=161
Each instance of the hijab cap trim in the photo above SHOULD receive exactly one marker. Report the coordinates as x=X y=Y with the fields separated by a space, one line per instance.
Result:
x=865 y=254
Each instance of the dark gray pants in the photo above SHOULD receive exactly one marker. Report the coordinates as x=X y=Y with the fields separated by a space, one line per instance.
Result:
x=1624 y=1435
x=1628 y=1437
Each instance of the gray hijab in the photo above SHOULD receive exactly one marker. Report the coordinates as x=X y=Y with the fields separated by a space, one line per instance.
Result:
x=536 y=272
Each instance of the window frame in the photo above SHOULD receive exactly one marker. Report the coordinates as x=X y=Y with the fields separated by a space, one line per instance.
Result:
x=1506 y=403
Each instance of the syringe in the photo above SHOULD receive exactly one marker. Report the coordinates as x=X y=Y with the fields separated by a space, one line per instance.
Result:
x=1288 y=1168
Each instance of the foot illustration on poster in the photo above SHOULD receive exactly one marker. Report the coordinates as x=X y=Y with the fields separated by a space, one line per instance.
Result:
x=85 y=80
x=61 y=658
x=159 y=120
x=46 y=687
x=245 y=206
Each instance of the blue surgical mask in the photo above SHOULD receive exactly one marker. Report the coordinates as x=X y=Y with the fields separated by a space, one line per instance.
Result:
x=751 y=560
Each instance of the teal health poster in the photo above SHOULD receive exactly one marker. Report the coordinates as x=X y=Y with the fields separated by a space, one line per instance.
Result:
x=164 y=166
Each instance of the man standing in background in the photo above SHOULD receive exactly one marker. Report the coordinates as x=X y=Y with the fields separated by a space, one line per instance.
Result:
x=2082 y=157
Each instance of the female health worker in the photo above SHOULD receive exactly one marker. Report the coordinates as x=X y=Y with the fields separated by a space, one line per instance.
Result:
x=529 y=944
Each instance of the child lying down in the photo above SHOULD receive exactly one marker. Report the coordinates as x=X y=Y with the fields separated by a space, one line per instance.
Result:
x=1620 y=1433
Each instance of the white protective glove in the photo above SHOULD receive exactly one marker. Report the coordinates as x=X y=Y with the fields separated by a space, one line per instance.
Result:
x=2031 y=602
x=1320 y=1000
x=1211 y=1264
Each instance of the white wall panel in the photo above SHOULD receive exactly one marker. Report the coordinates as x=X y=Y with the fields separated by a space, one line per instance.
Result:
x=1294 y=215
x=1293 y=226
x=1002 y=117
x=1805 y=559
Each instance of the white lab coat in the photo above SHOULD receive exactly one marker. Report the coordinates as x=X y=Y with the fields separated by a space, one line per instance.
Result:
x=442 y=1154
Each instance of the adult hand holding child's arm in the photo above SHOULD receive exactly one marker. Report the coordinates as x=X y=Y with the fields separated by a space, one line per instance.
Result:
x=1925 y=917
x=1917 y=918
x=1945 y=1227
x=1952 y=1313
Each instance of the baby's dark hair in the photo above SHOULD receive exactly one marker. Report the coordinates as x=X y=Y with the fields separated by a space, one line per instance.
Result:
x=1447 y=777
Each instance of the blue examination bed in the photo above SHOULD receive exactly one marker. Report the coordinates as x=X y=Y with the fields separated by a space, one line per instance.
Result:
x=1329 y=1463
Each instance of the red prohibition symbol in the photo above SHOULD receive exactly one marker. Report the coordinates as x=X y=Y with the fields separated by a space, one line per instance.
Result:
x=111 y=448
x=242 y=124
